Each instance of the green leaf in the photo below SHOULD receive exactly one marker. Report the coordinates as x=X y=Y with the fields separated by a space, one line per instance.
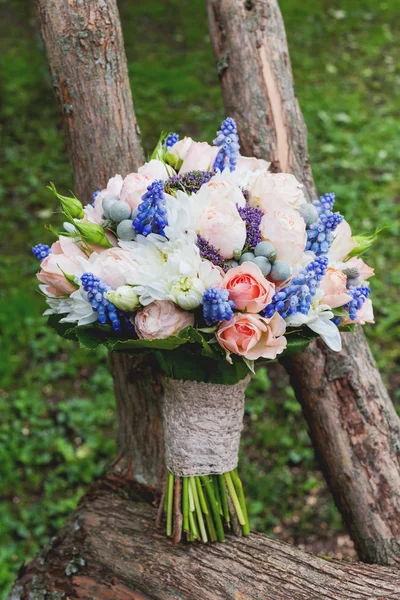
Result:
x=159 y=150
x=66 y=330
x=364 y=242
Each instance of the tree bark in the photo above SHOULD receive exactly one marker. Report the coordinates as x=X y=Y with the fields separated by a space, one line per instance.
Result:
x=110 y=549
x=352 y=422
x=86 y=56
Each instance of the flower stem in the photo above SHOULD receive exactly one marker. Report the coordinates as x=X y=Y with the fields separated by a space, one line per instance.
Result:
x=216 y=493
x=224 y=500
x=199 y=515
x=207 y=481
x=185 y=503
x=200 y=493
x=239 y=489
x=235 y=500
x=170 y=494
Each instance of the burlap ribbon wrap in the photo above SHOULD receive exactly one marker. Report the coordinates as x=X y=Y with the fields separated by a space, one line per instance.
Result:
x=202 y=426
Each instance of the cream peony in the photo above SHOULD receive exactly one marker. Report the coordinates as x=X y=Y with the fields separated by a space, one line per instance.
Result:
x=222 y=226
x=134 y=187
x=272 y=190
x=160 y=320
x=285 y=228
x=199 y=157
x=114 y=266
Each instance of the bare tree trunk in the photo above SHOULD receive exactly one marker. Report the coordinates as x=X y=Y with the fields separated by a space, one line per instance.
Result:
x=353 y=425
x=86 y=55
x=110 y=549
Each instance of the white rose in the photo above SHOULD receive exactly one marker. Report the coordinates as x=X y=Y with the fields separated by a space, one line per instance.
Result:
x=124 y=298
x=269 y=190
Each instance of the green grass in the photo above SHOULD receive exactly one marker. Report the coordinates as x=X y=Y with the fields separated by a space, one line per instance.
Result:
x=57 y=416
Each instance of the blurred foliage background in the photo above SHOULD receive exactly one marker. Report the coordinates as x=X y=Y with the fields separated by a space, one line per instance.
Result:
x=56 y=403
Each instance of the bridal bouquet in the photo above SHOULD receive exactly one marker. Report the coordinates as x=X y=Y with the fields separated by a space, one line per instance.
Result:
x=210 y=261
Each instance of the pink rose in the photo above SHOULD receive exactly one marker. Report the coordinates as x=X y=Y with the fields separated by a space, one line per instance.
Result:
x=342 y=244
x=333 y=284
x=245 y=163
x=248 y=287
x=364 y=315
x=161 y=319
x=222 y=226
x=357 y=263
x=134 y=187
x=273 y=190
x=253 y=336
x=63 y=259
x=285 y=228
x=199 y=157
x=114 y=266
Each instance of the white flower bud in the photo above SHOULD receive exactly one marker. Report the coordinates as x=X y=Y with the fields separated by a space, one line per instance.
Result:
x=123 y=298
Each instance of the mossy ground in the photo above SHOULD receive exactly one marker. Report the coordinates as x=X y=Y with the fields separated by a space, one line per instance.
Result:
x=57 y=411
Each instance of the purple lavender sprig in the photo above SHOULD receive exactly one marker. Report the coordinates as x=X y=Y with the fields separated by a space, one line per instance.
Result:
x=252 y=217
x=190 y=182
x=209 y=252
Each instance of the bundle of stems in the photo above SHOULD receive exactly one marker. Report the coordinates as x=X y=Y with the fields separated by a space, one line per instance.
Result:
x=203 y=507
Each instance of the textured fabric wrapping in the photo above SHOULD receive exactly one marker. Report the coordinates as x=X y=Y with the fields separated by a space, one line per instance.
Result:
x=202 y=426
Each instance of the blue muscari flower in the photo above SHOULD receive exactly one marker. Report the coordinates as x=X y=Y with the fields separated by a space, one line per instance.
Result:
x=298 y=294
x=359 y=295
x=40 y=251
x=152 y=212
x=320 y=234
x=107 y=311
x=94 y=196
x=217 y=306
x=171 y=140
x=228 y=140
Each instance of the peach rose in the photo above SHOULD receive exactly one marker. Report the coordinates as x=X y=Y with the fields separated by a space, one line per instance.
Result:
x=272 y=190
x=134 y=187
x=364 y=315
x=333 y=284
x=248 y=288
x=199 y=157
x=357 y=263
x=245 y=163
x=63 y=259
x=222 y=226
x=285 y=228
x=342 y=244
x=252 y=336
x=160 y=320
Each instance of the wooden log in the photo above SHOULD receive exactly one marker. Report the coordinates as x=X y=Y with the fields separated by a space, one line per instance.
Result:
x=110 y=549
x=87 y=62
x=352 y=422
